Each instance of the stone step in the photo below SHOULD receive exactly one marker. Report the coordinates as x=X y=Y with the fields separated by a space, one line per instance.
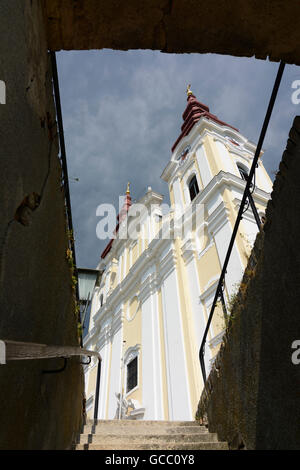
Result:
x=147 y=435
x=149 y=438
x=123 y=445
x=124 y=430
x=92 y=426
x=133 y=422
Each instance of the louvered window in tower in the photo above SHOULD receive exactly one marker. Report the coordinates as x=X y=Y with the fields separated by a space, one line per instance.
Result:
x=193 y=188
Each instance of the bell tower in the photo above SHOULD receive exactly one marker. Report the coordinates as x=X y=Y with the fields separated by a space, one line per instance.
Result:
x=209 y=164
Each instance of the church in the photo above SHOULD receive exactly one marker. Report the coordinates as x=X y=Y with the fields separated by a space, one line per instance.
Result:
x=150 y=310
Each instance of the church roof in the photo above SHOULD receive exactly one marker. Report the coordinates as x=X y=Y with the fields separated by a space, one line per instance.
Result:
x=193 y=112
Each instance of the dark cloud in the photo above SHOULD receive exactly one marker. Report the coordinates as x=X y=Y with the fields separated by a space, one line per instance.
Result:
x=122 y=113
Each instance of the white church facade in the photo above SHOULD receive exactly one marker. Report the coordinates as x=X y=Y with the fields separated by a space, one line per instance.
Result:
x=149 y=313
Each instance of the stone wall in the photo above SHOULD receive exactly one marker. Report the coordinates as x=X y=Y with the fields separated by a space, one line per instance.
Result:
x=38 y=411
x=252 y=394
x=237 y=27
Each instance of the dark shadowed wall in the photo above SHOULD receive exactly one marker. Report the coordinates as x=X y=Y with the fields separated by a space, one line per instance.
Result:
x=38 y=411
x=236 y=27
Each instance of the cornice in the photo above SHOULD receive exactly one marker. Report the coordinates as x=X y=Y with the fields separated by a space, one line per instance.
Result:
x=168 y=264
x=208 y=247
x=106 y=332
x=202 y=128
x=104 y=336
x=117 y=321
x=220 y=180
x=118 y=294
x=188 y=250
x=248 y=214
x=148 y=286
x=218 y=218
x=244 y=149
x=131 y=353
x=210 y=289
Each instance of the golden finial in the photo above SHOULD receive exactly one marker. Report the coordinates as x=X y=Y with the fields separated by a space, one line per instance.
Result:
x=188 y=90
x=128 y=189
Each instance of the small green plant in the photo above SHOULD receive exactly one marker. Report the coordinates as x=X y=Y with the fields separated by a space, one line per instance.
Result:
x=77 y=309
x=70 y=235
x=238 y=298
x=79 y=329
x=234 y=305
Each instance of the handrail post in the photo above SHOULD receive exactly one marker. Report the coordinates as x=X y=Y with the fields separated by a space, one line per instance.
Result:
x=97 y=390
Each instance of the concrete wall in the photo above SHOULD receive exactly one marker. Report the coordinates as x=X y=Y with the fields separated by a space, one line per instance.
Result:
x=38 y=411
x=252 y=394
x=237 y=27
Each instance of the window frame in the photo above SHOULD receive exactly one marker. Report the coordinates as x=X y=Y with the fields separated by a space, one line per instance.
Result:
x=243 y=171
x=135 y=376
x=131 y=353
x=195 y=186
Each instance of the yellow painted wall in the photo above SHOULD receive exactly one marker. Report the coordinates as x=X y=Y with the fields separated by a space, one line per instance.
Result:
x=208 y=266
x=212 y=155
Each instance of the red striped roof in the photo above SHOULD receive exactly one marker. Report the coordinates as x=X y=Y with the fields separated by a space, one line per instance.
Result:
x=193 y=112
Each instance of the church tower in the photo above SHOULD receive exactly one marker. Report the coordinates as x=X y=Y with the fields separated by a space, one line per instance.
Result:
x=149 y=313
x=209 y=165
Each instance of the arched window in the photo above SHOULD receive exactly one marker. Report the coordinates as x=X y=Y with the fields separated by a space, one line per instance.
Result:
x=243 y=172
x=101 y=300
x=193 y=187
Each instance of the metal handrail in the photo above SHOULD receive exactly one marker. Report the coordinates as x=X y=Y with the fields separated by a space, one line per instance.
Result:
x=63 y=160
x=241 y=210
x=68 y=208
x=65 y=172
x=18 y=350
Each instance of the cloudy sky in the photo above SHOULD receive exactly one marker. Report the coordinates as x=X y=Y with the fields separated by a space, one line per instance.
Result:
x=122 y=112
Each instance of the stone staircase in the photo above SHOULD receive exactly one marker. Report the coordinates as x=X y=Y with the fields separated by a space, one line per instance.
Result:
x=147 y=435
